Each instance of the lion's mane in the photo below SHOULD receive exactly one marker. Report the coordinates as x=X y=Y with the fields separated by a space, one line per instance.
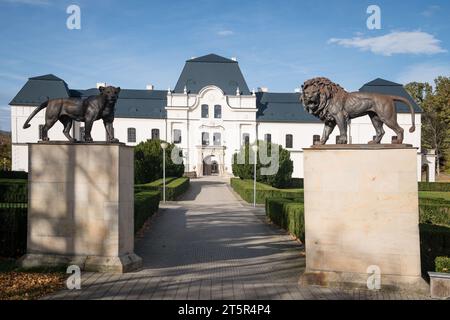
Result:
x=328 y=91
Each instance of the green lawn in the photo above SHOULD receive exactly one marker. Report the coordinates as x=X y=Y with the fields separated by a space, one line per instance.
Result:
x=434 y=195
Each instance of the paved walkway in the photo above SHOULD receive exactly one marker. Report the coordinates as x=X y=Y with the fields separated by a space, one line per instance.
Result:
x=210 y=245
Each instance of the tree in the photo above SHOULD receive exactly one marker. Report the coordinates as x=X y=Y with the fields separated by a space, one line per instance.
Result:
x=5 y=151
x=243 y=164
x=148 y=162
x=435 y=104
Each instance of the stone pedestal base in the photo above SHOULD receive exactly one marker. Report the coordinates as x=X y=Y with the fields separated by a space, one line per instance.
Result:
x=81 y=206
x=122 y=264
x=361 y=217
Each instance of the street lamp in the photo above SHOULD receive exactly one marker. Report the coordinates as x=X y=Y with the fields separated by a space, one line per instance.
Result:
x=255 y=151
x=164 y=146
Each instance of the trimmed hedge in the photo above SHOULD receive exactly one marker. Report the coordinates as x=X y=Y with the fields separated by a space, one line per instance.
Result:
x=442 y=264
x=13 y=191
x=13 y=175
x=434 y=186
x=436 y=214
x=13 y=230
x=245 y=189
x=152 y=186
x=175 y=187
x=287 y=214
x=434 y=242
x=145 y=205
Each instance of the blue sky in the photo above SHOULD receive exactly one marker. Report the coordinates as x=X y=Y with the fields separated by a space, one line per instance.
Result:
x=279 y=44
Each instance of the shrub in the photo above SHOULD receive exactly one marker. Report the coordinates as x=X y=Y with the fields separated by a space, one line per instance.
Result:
x=280 y=179
x=152 y=186
x=13 y=191
x=434 y=186
x=13 y=230
x=174 y=187
x=13 y=175
x=145 y=205
x=288 y=215
x=148 y=162
x=245 y=189
x=442 y=264
x=434 y=213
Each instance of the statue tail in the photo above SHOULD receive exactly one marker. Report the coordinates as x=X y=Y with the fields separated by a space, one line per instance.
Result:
x=35 y=112
x=411 y=108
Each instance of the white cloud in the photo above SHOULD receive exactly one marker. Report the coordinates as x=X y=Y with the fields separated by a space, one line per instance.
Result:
x=225 y=33
x=423 y=72
x=413 y=42
x=29 y=2
x=431 y=10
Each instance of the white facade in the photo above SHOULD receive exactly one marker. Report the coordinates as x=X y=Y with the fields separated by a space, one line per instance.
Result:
x=184 y=113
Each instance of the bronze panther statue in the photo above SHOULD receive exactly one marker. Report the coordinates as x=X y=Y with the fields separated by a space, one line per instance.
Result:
x=66 y=110
x=333 y=105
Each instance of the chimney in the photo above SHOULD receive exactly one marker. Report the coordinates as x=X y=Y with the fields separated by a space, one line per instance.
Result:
x=149 y=87
x=263 y=89
x=101 y=84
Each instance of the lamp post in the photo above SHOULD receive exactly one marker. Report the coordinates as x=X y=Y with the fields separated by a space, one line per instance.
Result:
x=255 y=151
x=164 y=146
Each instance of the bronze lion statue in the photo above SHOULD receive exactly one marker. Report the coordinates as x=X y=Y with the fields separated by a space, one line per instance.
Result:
x=332 y=104
x=66 y=110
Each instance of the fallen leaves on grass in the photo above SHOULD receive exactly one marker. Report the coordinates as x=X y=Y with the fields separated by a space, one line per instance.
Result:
x=29 y=286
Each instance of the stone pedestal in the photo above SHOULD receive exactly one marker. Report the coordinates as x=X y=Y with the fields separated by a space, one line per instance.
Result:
x=81 y=206
x=361 y=215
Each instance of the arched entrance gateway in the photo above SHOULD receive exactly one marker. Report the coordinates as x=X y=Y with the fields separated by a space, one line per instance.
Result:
x=211 y=166
x=212 y=161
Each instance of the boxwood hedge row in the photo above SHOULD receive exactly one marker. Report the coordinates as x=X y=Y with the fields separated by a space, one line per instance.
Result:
x=175 y=187
x=245 y=189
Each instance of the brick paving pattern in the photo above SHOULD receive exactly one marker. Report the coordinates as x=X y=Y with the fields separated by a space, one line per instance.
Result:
x=210 y=245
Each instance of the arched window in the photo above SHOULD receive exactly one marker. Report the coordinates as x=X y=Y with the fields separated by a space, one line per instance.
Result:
x=132 y=135
x=205 y=111
x=217 y=137
x=205 y=139
x=218 y=111
x=176 y=136
x=289 y=141
x=155 y=134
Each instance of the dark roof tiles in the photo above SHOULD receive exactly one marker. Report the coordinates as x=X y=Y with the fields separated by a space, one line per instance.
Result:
x=212 y=70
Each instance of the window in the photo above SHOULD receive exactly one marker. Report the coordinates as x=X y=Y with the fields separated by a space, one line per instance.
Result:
x=41 y=130
x=205 y=139
x=268 y=138
x=82 y=133
x=131 y=135
x=155 y=134
x=217 y=139
x=246 y=138
x=218 y=112
x=289 y=141
x=176 y=136
x=205 y=111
